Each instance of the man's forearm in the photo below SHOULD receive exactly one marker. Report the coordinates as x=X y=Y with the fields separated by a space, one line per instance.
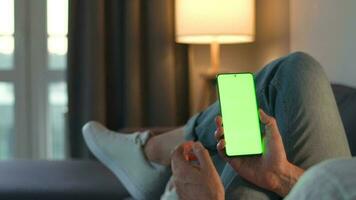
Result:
x=288 y=178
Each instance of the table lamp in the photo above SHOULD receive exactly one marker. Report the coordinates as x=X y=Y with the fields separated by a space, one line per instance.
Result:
x=214 y=22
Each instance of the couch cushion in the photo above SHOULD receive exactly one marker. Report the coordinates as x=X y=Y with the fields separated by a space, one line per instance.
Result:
x=24 y=179
x=346 y=102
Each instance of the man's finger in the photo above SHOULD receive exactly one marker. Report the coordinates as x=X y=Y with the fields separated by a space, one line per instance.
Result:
x=181 y=168
x=221 y=145
x=203 y=157
x=219 y=133
x=221 y=150
x=178 y=160
x=269 y=121
x=218 y=121
x=263 y=116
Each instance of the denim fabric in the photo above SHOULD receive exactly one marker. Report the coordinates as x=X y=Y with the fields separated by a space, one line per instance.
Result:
x=295 y=90
x=332 y=179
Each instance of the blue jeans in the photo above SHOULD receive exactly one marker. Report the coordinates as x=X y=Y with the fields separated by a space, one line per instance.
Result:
x=332 y=179
x=295 y=90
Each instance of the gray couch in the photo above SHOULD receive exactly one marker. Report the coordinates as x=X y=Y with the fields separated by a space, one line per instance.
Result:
x=90 y=180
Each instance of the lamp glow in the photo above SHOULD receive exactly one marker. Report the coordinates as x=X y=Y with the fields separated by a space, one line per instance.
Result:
x=215 y=22
x=222 y=21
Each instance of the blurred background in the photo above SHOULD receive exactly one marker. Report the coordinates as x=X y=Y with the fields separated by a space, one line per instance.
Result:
x=65 y=62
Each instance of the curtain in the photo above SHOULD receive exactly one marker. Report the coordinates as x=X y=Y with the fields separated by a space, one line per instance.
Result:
x=124 y=67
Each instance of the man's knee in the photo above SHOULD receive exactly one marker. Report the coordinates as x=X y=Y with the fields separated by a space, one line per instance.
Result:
x=302 y=67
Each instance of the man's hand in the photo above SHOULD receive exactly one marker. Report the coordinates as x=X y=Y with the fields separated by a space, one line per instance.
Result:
x=196 y=181
x=272 y=170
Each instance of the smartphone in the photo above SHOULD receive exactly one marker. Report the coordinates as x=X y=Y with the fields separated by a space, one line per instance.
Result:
x=239 y=111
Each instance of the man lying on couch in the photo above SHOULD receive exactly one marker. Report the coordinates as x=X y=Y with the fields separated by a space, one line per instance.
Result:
x=305 y=129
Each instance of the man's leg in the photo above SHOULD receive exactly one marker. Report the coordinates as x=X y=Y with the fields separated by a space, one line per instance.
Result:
x=158 y=148
x=295 y=90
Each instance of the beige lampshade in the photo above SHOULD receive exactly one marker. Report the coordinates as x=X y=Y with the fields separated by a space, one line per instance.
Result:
x=221 y=21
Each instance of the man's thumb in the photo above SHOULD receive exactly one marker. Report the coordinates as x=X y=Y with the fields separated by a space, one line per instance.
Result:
x=270 y=122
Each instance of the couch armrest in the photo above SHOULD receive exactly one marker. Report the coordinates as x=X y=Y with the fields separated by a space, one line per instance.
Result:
x=65 y=179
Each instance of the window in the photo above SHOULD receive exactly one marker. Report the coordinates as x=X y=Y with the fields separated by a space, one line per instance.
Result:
x=6 y=123
x=57 y=108
x=6 y=34
x=33 y=90
x=57 y=29
x=7 y=95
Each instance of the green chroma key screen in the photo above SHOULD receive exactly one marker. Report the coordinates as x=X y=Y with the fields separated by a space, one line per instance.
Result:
x=239 y=112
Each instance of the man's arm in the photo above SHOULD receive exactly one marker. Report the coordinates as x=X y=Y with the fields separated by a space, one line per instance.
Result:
x=287 y=179
x=271 y=171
